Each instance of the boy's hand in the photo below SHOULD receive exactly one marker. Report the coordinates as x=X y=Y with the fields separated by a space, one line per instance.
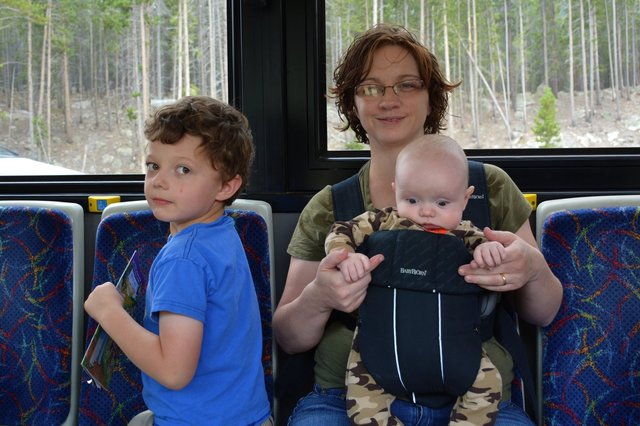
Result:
x=103 y=299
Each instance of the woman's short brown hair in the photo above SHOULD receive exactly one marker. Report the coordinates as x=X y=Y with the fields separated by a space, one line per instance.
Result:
x=225 y=133
x=357 y=62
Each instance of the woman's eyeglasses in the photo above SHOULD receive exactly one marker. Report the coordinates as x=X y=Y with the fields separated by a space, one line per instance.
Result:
x=401 y=88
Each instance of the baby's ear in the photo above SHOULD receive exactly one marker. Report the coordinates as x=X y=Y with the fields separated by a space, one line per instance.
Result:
x=229 y=188
x=469 y=192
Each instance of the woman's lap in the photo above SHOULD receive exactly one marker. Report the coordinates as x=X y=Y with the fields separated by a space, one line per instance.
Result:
x=324 y=407
x=321 y=407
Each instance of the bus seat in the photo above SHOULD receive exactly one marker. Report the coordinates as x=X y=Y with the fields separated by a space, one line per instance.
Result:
x=41 y=311
x=589 y=356
x=120 y=232
x=130 y=226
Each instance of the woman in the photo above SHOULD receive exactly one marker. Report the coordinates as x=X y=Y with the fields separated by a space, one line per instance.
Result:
x=390 y=90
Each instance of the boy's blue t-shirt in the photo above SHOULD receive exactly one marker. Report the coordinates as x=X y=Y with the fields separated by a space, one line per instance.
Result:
x=202 y=272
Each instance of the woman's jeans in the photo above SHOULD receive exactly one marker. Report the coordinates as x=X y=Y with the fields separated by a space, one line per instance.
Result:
x=324 y=407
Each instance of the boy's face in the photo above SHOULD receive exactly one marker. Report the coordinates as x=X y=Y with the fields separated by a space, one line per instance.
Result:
x=431 y=193
x=181 y=185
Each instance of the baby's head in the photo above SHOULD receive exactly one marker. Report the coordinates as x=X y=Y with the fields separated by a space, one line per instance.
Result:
x=432 y=182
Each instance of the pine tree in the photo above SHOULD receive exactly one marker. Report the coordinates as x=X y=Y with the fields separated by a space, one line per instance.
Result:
x=545 y=125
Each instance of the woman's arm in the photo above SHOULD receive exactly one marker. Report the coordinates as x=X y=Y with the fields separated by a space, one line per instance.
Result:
x=170 y=358
x=536 y=292
x=312 y=291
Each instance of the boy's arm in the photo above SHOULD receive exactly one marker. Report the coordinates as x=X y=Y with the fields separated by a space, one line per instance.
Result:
x=170 y=358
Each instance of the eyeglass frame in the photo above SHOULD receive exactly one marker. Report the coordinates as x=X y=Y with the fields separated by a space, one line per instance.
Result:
x=393 y=87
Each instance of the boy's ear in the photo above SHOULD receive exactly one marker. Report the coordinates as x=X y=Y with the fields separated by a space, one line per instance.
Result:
x=229 y=188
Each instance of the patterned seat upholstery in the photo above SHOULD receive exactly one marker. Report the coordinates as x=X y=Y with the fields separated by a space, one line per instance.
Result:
x=41 y=294
x=118 y=236
x=590 y=353
x=134 y=228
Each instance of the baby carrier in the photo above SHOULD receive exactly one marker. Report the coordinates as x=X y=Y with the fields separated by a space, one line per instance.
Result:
x=419 y=326
x=423 y=371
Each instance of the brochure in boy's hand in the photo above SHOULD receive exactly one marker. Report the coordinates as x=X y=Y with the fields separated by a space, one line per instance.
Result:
x=99 y=359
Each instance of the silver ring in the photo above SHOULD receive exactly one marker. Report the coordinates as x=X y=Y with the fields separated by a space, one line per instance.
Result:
x=504 y=278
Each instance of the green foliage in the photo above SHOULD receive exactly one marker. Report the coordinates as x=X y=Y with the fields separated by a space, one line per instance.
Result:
x=545 y=125
x=194 y=90
x=132 y=114
x=354 y=145
x=40 y=125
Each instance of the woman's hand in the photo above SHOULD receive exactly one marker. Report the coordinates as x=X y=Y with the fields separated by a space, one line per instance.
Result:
x=514 y=271
x=312 y=291
x=334 y=290
x=524 y=272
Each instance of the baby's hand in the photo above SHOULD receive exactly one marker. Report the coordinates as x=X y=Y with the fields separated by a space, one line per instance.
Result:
x=102 y=299
x=489 y=254
x=354 y=267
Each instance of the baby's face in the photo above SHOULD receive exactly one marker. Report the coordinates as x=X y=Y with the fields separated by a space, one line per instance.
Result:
x=433 y=195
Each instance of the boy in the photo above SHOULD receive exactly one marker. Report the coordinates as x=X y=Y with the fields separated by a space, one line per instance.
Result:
x=431 y=187
x=200 y=347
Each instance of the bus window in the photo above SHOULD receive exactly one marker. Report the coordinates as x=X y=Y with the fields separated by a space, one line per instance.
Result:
x=78 y=78
x=534 y=74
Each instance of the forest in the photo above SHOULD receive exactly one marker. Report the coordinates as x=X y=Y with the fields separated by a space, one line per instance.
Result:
x=86 y=71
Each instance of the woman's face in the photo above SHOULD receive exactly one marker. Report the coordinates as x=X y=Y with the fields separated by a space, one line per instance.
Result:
x=392 y=118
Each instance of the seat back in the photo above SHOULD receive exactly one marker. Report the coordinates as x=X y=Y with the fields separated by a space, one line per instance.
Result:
x=589 y=356
x=130 y=226
x=41 y=314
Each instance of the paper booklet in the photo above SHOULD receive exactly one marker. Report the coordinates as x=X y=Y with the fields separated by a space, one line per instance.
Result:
x=100 y=357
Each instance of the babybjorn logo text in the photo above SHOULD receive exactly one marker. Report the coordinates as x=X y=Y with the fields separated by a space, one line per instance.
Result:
x=412 y=271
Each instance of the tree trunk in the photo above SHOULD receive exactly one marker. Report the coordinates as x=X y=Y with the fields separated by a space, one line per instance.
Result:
x=583 y=46
x=571 y=86
x=626 y=51
x=94 y=74
x=185 y=51
x=48 y=74
x=596 y=57
x=613 y=57
x=493 y=97
x=212 y=56
x=447 y=64
x=592 y=69
x=523 y=66
x=179 y=54
x=32 y=139
x=144 y=66
x=473 y=86
x=67 y=93
x=545 y=54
